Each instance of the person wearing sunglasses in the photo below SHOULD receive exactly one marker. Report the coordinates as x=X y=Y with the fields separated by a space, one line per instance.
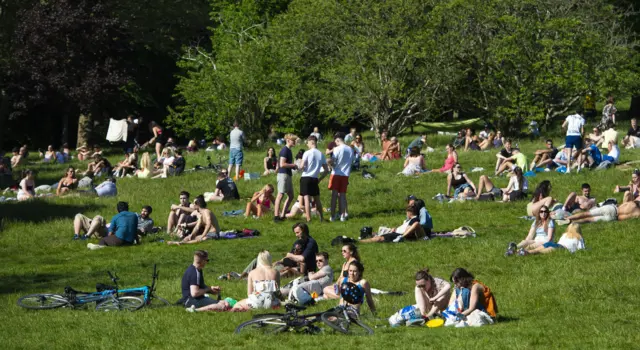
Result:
x=541 y=232
x=461 y=184
x=432 y=293
x=631 y=191
x=350 y=254
x=195 y=290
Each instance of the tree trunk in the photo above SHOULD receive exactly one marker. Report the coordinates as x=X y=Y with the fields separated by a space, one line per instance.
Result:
x=4 y=113
x=65 y=129
x=634 y=109
x=84 y=129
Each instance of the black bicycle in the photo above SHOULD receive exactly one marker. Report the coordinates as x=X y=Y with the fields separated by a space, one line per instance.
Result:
x=340 y=319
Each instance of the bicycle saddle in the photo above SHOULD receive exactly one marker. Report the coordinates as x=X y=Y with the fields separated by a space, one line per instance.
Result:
x=294 y=307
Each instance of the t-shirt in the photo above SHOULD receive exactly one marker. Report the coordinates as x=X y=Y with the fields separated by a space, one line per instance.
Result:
x=125 y=225
x=483 y=134
x=314 y=159
x=572 y=244
x=416 y=143
x=408 y=222
x=513 y=181
x=179 y=163
x=106 y=189
x=521 y=161
x=615 y=153
x=328 y=277
x=505 y=153
x=343 y=156
x=285 y=153
x=236 y=138
x=633 y=132
x=595 y=153
x=608 y=135
x=575 y=122
x=192 y=277
x=144 y=225
x=309 y=253
x=554 y=152
x=541 y=234
x=228 y=188
x=426 y=221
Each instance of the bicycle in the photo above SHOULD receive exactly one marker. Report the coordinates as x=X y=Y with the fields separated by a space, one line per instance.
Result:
x=147 y=292
x=340 y=319
x=216 y=168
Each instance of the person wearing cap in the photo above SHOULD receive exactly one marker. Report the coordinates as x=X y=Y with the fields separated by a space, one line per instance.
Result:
x=285 y=182
x=195 y=290
x=122 y=231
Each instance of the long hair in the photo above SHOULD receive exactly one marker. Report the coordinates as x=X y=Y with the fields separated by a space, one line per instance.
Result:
x=264 y=258
x=545 y=222
x=543 y=190
x=354 y=251
x=464 y=277
x=518 y=173
x=574 y=231
x=145 y=162
x=425 y=275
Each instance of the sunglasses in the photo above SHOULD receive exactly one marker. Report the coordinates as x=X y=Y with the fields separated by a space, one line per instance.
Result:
x=421 y=286
x=345 y=251
x=544 y=211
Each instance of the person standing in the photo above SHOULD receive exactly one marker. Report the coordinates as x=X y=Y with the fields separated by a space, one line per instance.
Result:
x=575 y=129
x=312 y=161
x=339 y=180
x=236 y=140
x=285 y=184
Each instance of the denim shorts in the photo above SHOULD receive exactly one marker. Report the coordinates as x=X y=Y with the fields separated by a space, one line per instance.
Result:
x=235 y=156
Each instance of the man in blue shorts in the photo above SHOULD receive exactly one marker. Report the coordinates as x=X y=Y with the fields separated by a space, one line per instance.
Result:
x=575 y=129
x=236 y=141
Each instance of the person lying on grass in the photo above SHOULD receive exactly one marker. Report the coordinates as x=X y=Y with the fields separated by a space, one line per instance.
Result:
x=260 y=203
x=432 y=293
x=571 y=240
x=206 y=224
x=263 y=286
x=461 y=184
x=575 y=202
x=515 y=190
x=631 y=191
x=625 y=211
x=350 y=254
x=410 y=230
x=68 y=183
x=541 y=197
x=298 y=208
x=541 y=232
x=194 y=289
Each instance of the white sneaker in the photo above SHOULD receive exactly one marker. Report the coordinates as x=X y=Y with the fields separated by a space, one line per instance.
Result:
x=191 y=309
x=343 y=218
x=333 y=218
x=568 y=171
x=92 y=246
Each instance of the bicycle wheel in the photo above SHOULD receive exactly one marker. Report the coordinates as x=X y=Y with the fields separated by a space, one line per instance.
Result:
x=265 y=324
x=338 y=322
x=42 y=301
x=120 y=303
x=158 y=302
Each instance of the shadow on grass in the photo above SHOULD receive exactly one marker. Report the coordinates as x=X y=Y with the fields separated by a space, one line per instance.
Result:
x=505 y=319
x=38 y=211
x=49 y=282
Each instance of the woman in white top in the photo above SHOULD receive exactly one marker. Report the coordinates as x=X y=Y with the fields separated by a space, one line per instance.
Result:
x=432 y=293
x=414 y=164
x=263 y=285
x=517 y=187
x=571 y=240
x=541 y=232
x=27 y=186
x=358 y=144
x=49 y=155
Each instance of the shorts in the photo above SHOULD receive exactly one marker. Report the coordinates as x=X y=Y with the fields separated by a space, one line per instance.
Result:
x=338 y=183
x=262 y=300
x=113 y=241
x=235 y=156
x=160 y=139
x=285 y=184
x=309 y=186
x=393 y=237
x=571 y=141
x=605 y=213
x=496 y=192
x=199 y=302
x=516 y=196
x=85 y=223
x=554 y=245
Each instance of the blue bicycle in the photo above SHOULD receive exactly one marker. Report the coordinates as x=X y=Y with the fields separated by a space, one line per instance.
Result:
x=107 y=298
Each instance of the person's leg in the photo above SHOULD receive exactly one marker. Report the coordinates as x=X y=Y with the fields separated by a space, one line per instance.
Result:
x=498 y=163
x=158 y=150
x=329 y=292
x=249 y=210
x=276 y=205
x=343 y=204
x=80 y=224
x=567 y=152
x=505 y=166
x=540 y=250
x=111 y=241
x=96 y=227
x=221 y=305
x=483 y=183
x=287 y=202
x=585 y=216
x=570 y=202
x=627 y=197
x=525 y=243
x=334 y=199
x=318 y=207
x=535 y=160
x=376 y=239
x=307 y=208
x=535 y=207
x=171 y=221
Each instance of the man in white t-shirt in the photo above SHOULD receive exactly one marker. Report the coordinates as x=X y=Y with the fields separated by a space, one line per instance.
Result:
x=614 y=153
x=339 y=180
x=575 y=129
x=312 y=161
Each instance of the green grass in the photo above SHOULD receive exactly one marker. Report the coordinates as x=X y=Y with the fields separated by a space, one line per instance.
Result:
x=585 y=300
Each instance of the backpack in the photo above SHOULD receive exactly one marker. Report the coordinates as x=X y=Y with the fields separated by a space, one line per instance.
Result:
x=489 y=300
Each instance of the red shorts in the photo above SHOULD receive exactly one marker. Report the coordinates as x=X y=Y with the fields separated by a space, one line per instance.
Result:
x=338 y=183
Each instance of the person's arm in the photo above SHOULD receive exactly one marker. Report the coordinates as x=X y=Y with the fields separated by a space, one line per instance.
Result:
x=532 y=232
x=470 y=182
x=369 y=297
x=316 y=275
x=284 y=164
x=564 y=125
x=510 y=185
x=112 y=227
x=445 y=288
x=266 y=160
x=59 y=187
x=324 y=173
x=197 y=292
x=455 y=156
x=449 y=177
x=500 y=156
x=406 y=161
x=477 y=292
x=411 y=229
x=256 y=196
x=550 y=230
x=422 y=165
x=249 y=285
x=194 y=231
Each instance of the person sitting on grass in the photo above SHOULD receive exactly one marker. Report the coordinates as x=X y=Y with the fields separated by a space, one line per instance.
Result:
x=270 y=162
x=315 y=282
x=84 y=153
x=588 y=157
x=515 y=190
x=468 y=303
x=614 y=153
x=584 y=202
x=49 y=156
x=172 y=166
x=541 y=197
x=541 y=232
x=384 y=143
x=289 y=267
x=26 y=188
x=571 y=240
x=517 y=159
x=597 y=137
x=122 y=231
x=632 y=191
x=226 y=189
x=350 y=254
x=450 y=161
x=414 y=163
x=632 y=140
x=144 y=172
x=91 y=227
x=544 y=157
x=99 y=166
x=426 y=221
x=410 y=230
x=606 y=213
x=179 y=210
x=260 y=203
x=68 y=183
x=298 y=208
x=18 y=159
x=471 y=141
x=128 y=165
x=205 y=227
x=393 y=152
x=504 y=154
x=487 y=142
x=263 y=286
x=499 y=140
x=145 y=222
x=461 y=184
x=194 y=289
x=432 y=294
x=354 y=290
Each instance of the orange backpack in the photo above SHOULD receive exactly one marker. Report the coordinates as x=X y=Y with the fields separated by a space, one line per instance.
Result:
x=489 y=301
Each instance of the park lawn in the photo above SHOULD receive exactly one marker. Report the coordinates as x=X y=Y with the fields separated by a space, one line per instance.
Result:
x=585 y=300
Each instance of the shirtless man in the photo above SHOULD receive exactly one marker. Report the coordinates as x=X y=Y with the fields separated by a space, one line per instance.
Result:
x=17 y=158
x=207 y=223
x=177 y=211
x=583 y=202
x=625 y=211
